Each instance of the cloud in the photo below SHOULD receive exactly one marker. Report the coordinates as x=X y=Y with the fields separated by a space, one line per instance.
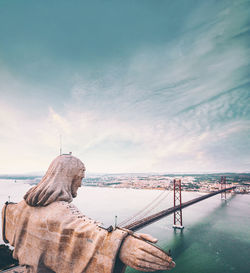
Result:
x=176 y=103
x=181 y=106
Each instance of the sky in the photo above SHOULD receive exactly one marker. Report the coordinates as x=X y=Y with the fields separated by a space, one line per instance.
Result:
x=130 y=86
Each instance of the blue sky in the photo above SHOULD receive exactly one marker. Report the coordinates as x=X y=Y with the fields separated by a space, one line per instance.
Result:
x=132 y=86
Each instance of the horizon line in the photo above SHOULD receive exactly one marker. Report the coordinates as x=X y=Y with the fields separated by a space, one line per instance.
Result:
x=126 y=173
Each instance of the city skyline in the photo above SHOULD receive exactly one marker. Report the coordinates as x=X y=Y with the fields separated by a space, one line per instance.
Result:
x=130 y=87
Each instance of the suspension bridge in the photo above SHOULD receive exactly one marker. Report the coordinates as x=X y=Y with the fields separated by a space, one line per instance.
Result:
x=138 y=220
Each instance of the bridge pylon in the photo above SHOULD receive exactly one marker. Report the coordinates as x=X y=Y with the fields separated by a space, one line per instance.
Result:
x=223 y=186
x=177 y=202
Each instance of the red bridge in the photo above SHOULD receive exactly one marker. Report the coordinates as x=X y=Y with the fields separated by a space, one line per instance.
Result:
x=176 y=209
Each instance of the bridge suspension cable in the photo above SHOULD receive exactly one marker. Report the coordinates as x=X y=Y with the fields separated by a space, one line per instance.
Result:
x=140 y=214
x=149 y=210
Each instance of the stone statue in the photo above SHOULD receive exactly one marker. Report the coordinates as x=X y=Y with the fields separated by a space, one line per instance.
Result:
x=50 y=235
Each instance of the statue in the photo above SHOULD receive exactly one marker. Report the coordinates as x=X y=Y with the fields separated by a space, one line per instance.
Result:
x=51 y=235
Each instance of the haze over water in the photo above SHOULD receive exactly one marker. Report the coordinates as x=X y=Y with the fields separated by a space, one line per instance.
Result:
x=216 y=237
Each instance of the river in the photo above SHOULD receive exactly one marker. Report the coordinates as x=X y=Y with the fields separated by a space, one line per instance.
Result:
x=216 y=237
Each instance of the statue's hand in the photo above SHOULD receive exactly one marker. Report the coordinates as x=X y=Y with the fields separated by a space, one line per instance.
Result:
x=143 y=256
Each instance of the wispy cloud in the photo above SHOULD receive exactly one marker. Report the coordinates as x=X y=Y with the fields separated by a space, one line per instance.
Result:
x=179 y=106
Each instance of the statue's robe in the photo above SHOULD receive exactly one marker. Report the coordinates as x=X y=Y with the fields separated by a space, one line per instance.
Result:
x=58 y=238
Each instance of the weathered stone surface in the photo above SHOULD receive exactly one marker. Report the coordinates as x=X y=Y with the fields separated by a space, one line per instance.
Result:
x=60 y=183
x=16 y=269
x=50 y=235
x=59 y=238
x=143 y=256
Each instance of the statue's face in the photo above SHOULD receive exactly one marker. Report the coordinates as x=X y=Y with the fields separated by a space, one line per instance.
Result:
x=77 y=182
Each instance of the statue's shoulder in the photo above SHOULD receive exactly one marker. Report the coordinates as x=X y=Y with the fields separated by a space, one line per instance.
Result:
x=60 y=206
x=59 y=210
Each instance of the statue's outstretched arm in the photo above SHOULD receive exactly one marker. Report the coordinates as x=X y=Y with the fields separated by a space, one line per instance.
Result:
x=143 y=256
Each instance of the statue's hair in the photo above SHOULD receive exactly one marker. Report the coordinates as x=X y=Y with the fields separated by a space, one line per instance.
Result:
x=56 y=183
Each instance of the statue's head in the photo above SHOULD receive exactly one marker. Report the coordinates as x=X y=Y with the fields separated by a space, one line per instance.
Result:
x=60 y=183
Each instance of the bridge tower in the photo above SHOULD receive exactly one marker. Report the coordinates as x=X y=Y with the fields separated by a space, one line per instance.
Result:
x=223 y=185
x=177 y=202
